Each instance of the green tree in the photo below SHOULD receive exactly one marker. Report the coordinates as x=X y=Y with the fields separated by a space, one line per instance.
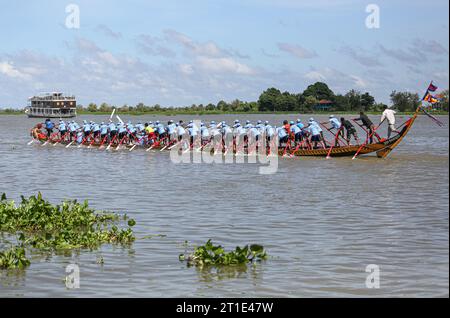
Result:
x=92 y=107
x=310 y=102
x=444 y=100
x=104 y=107
x=210 y=107
x=286 y=102
x=320 y=91
x=367 y=101
x=140 y=107
x=341 y=103
x=354 y=100
x=268 y=100
x=235 y=105
x=223 y=106
x=299 y=106
x=405 y=101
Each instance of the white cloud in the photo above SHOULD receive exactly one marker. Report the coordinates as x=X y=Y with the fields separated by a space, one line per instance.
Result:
x=108 y=32
x=108 y=58
x=8 y=69
x=297 y=50
x=315 y=76
x=224 y=64
x=359 y=82
x=209 y=48
x=186 y=69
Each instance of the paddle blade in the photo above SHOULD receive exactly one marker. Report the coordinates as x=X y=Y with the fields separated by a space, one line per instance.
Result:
x=112 y=114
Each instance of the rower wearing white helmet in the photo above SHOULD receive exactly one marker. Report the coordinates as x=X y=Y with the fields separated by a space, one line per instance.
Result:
x=95 y=129
x=316 y=133
x=335 y=124
x=86 y=128
x=269 y=131
x=170 y=129
x=180 y=131
x=204 y=133
x=103 y=131
x=297 y=132
x=62 y=127
x=213 y=130
x=248 y=124
x=238 y=130
x=260 y=126
x=192 y=132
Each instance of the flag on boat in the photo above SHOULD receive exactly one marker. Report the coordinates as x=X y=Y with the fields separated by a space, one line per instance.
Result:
x=432 y=88
x=430 y=98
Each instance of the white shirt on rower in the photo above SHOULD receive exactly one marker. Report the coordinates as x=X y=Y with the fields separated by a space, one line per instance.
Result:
x=389 y=114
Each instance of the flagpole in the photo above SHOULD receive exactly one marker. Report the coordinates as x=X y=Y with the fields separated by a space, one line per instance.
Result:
x=427 y=91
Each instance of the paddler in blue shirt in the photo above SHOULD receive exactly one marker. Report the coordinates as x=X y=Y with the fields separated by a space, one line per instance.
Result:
x=297 y=132
x=269 y=131
x=171 y=129
x=121 y=130
x=315 y=131
x=160 y=130
x=192 y=132
x=131 y=131
x=180 y=131
x=96 y=130
x=80 y=137
x=49 y=125
x=103 y=131
x=86 y=129
x=112 y=130
x=336 y=125
x=283 y=135
x=204 y=132
x=62 y=127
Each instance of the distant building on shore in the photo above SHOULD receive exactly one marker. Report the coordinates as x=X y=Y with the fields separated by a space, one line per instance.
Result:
x=323 y=105
x=52 y=105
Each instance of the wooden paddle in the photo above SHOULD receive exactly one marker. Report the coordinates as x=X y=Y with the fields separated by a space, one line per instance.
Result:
x=364 y=144
x=335 y=139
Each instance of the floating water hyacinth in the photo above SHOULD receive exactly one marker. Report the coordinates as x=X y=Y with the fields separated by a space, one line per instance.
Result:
x=14 y=257
x=40 y=225
x=210 y=254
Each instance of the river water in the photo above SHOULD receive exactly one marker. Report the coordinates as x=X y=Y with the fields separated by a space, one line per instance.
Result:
x=322 y=221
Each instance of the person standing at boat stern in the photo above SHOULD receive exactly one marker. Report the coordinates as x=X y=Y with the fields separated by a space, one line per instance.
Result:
x=389 y=114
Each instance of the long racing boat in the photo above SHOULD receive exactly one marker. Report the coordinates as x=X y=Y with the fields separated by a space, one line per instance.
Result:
x=381 y=148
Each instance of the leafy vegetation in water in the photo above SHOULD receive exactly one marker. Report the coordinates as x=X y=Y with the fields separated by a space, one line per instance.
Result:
x=14 y=258
x=39 y=224
x=215 y=255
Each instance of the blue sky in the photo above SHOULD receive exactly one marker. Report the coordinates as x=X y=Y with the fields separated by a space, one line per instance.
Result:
x=177 y=53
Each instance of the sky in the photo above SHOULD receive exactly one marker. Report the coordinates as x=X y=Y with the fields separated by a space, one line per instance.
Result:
x=177 y=53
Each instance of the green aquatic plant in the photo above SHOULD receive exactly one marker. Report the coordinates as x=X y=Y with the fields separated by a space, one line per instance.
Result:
x=71 y=225
x=210 y=254
x=14 y=257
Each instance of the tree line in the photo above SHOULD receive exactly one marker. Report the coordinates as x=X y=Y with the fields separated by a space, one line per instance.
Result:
x=316 y=97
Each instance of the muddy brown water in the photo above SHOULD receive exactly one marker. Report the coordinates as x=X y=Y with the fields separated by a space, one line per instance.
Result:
x=322 y=221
